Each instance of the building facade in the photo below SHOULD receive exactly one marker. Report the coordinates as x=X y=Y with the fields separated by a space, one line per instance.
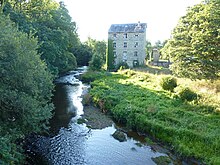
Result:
x=129 y=42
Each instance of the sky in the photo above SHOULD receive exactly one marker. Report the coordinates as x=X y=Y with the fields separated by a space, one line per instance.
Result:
x=94 y=17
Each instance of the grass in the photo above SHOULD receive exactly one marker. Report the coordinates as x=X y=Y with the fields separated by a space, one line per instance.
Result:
x=136 y=99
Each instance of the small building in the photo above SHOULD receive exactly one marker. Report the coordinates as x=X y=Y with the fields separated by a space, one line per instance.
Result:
x=129 y=42
x=156 y=61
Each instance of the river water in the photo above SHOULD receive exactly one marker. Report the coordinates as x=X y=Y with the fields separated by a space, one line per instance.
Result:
x=75 y=144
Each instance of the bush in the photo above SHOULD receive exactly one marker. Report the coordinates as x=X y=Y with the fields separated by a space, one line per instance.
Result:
x=187 y=94
x=168 y=83
x=122 y=65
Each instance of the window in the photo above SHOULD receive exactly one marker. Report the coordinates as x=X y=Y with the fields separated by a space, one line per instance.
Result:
x=125 y=45
x=136 y=44
x=136 y=35
x=135 y=53
x=125 y=35
x=125 y=56
x=114 y=35
x=114 y=44
x=135 y=63
x=114 y=53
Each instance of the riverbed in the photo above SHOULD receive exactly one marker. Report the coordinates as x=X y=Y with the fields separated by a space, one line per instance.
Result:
x=81 y=134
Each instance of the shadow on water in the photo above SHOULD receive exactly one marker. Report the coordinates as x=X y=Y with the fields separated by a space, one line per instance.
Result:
x=64 y=108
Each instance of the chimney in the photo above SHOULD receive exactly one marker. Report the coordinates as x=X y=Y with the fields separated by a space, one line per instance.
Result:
x=139 y=24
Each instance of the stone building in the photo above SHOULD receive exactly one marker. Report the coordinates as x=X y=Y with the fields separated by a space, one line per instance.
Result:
x=129 y=42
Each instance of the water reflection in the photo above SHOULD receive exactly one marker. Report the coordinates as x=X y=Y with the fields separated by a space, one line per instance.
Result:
x=64 y=107
x=76 y=144
x=103 y=149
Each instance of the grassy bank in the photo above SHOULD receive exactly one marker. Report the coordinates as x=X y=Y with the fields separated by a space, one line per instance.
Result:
x=136 y=99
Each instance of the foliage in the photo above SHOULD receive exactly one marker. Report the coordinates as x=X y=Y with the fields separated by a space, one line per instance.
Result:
x=98 y=53
x=96 y=62
x=149 y=49
x=122 y=65
x=187 y=94
x=110 y=56
x=52 y=25
x=91 y=76
x=83 y=54
x=158 y=45
x=98 y=47
x=168 y=83
x=194 y=46
x=25 y=87
x=189 y=127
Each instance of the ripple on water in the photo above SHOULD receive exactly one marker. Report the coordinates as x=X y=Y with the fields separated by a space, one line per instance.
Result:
x=68 y=147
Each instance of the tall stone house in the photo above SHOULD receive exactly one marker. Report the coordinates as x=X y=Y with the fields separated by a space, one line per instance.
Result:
x=129 y=42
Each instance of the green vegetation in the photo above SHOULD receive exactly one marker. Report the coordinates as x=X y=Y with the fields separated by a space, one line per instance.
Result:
x=52 y=25
x=122 y=65
x=98 y=53
x=187 y=94
x=195 y=44
x=96 y=62
x=168 y=83
x=25 y=87
x=135 y=98
x=45 y=44
x=110 y=56
x=42 y=46
x=162 y=160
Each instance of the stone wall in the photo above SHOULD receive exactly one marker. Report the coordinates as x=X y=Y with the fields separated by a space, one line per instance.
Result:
x=131 y=40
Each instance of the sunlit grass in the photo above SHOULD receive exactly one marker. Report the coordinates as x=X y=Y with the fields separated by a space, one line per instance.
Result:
x=136 y=99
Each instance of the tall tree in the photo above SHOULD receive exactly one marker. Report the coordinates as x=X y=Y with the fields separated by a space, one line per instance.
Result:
x=98 y=50
x=98 y=47
x=83 y=54
x=25 y=87
x=54 y=28
x=195 y=43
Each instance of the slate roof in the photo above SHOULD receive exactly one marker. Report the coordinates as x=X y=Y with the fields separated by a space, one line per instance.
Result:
x=126 y=28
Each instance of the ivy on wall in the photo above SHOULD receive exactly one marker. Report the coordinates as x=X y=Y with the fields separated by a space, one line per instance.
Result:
x=110 y=56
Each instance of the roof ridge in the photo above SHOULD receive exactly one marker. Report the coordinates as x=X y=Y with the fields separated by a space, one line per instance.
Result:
x=129 y=27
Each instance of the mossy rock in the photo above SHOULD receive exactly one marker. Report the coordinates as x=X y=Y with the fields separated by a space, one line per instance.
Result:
x=81 y=121
x=162 y=160
x=120 y=136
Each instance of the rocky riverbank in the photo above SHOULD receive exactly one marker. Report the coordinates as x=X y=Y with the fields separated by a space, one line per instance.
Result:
x=94 y=118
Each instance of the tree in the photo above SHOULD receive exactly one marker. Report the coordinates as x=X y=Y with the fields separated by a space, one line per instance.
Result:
x=57 y=32
x=98 y=49
x=149 y=49
x=83 y=54
x=96 y=62
x=195 y=43
x=25 y=87
x=52 y=25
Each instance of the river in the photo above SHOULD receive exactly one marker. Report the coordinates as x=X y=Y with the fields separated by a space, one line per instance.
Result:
x=74 y=144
